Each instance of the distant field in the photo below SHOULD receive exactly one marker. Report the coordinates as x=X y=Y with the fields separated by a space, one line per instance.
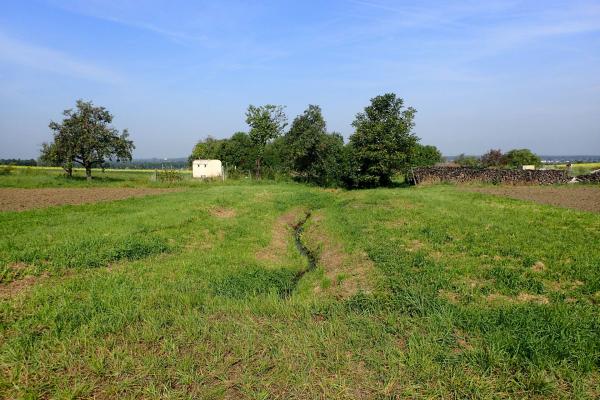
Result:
x=81 y=170
x=578 y=169
x=38 y=177
x=422 y=292
x=582 y=165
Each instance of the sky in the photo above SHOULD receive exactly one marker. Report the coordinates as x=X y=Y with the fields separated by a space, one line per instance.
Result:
x=481 y=74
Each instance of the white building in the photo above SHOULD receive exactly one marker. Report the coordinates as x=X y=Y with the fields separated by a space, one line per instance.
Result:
x=207 y=169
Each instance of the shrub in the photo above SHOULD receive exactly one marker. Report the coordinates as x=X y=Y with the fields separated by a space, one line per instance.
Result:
x=168 y=175
x=6 y=169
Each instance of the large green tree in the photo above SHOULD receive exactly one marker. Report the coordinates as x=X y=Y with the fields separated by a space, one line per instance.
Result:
x=86 y=137
x=468 y=161
x=383 y=141
x=519 y=157
x=425 y=156
x=313 y=154
x=266 y=123
x=208 y=149
x=239 y=152
x=57 y=154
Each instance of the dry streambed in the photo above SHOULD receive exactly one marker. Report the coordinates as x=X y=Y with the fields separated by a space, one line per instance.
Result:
x=344 y=273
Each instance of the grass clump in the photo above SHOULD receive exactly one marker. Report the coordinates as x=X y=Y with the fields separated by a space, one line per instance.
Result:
x=254 y=281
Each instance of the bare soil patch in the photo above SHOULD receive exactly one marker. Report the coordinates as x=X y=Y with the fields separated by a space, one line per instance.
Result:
x=281 y=234
x=15 y=199
x=221 y=212
x=585 y=198
x=15 y=287
x=348 y=273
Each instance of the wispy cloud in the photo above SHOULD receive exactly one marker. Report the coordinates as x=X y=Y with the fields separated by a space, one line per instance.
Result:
x=130 y=15
x=42 y=58
x=177 y=36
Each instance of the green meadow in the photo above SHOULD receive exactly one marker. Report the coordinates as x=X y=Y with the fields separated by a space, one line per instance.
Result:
x=418 y=292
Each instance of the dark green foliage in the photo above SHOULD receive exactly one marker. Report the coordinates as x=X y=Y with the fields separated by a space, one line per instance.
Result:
x=208 y=149
x=18 y=161
x=468 y=161
x=383 y=141
x=382 y=146
x=85 y=137
x=519 y=157
x=266 y=123
x=57 y=153
x=168 y=175
x=275 y=158
x=314 y=155
x=425 y=156
x=238 y=152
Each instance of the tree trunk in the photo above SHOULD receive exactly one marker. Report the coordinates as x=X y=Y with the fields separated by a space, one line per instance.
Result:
x=88 y=173
x=258 y=168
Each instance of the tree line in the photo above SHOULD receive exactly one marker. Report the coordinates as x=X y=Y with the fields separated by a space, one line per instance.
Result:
x=382 y=145
x=494 y=158
x=18 y=162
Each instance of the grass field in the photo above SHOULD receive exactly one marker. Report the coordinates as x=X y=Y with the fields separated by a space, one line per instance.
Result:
x=427 y=292
x=579 y=168
x=39 y=177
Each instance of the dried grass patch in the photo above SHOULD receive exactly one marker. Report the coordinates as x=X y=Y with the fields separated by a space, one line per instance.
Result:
x=221 y=212
x=538 y=266
x=452 y=297
x=521 y=298
x=18 y=286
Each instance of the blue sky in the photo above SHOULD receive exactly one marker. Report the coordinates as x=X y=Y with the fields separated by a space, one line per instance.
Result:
x=482 y=74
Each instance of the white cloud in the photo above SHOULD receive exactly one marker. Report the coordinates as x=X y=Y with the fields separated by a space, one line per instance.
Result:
x=50 y=60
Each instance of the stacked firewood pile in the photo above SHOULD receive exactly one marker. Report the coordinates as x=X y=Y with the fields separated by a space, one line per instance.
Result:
x=486 y=175
x=594 y=177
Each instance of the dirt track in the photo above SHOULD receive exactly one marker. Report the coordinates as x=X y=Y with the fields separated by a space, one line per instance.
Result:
x=13 y=199
x=585 y=198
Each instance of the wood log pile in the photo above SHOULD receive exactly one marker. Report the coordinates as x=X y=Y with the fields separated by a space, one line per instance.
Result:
x=486 y=175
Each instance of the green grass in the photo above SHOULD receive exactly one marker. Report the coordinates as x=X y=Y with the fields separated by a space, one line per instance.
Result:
x=579 y=168
x=159 y=297
x=48 y=177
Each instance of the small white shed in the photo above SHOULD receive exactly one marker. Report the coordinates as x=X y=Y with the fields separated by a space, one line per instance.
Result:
x=207 y=169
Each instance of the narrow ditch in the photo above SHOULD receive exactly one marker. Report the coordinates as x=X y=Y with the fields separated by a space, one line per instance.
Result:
x=311 y=258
